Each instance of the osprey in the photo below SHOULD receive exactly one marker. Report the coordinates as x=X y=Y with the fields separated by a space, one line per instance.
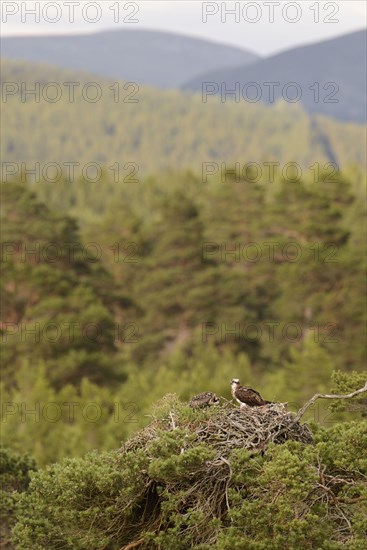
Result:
x=246 y=396
x=204 y=400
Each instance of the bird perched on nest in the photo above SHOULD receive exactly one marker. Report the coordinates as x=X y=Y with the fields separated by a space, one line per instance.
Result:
x=246 y=396
x=205 y=399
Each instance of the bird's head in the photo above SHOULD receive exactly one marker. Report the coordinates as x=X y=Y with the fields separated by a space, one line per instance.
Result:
x=235 y=382
x=214 y=400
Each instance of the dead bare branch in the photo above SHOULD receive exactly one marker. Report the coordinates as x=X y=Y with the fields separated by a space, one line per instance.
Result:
x=302 y=411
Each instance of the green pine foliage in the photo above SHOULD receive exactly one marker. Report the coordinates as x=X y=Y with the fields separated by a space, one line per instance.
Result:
x=115 y=293
x=15 y=472
x=177 y=279
x=165 y=489
x=52 y=424
x=56 y=303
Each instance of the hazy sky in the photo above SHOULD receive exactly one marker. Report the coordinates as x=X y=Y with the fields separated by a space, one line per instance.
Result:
x=264 y=27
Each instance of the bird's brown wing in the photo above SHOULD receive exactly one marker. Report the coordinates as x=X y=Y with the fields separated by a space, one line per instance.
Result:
x=251 y=397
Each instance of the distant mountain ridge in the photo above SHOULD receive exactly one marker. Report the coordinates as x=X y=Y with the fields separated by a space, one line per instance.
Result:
x=161 y=59
x=331 y=75
x=340 y=60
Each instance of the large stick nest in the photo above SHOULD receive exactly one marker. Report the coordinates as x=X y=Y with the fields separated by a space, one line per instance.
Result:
x=252 y=428
x=203 y=489
x=227 y=427
x=222 y=428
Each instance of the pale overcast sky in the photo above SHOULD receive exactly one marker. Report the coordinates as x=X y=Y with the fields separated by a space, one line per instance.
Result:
x=254 y=30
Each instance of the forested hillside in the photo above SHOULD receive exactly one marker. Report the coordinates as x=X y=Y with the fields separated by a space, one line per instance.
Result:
x=136 y=131
x=167 y=292
x=217 y=241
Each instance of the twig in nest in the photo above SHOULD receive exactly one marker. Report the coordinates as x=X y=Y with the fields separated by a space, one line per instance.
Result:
x=228 y=480
x=134 y=544
x=302 y=411
x=172 y=421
